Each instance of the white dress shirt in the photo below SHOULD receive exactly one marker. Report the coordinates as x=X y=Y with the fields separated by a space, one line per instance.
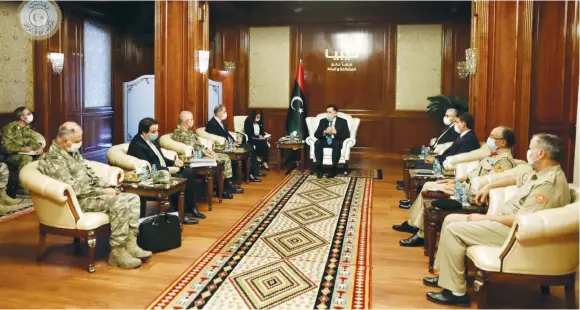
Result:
x=257 y=129
x=463 y=133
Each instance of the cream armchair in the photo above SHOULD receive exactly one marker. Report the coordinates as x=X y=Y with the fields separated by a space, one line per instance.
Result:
x=475 y=155
x=117 y=156
x=239 y=125
x=58 y=210
x=542 y=248
x=312 y=124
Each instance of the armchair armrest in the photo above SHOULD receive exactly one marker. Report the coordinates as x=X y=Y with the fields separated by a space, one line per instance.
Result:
x=166 y=142
x=498 y=196
x=310 y=142
x=204 y=134
x=475 y=155
x=440 y=148
x=111 y=175
x=346 y=146
x=538 y=238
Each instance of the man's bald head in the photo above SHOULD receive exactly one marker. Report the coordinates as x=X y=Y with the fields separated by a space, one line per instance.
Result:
x=70 y=131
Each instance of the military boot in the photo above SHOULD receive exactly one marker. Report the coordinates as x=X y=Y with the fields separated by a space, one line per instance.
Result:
x=134 y=250
x=7 y=200
x=121 y=258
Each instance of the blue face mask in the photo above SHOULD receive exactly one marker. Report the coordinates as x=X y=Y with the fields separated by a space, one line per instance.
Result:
x=153 y=137
x=491 y=144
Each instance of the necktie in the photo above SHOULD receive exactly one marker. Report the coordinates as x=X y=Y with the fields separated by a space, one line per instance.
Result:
x=329 y=137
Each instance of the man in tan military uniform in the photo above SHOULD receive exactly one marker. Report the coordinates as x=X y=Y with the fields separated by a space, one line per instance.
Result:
x=500 y=142
x=63 y=162
x=184 y=134
x=545 y=187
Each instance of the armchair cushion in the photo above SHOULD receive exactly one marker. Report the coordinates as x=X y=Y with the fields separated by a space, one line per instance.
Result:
x=92 y=220
x=312 y=124
x=485 y=257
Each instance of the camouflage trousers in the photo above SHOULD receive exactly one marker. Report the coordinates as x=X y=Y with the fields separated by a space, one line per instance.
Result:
x=19 y=160
x=3 y=175
x=227 y=164
x=123 y=211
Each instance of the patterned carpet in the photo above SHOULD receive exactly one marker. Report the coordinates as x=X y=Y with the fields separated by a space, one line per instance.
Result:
x=351 y=173
x=11 y=212
x=304 y=245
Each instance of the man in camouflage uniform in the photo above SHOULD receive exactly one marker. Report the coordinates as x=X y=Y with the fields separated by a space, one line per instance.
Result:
x=18 y=136
x=543 y=188
x=184 y=134
x=63 y=162
x=500 y=142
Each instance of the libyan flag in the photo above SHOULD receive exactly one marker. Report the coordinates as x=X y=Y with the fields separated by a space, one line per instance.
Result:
x=296 y=118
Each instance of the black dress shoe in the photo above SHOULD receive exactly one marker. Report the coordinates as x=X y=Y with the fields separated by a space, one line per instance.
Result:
x=259 y=174
x=331 y=174
x=405 y=206
x=236 y=190
x=319 y=174
x=431 y=281
x=413 y=241
x=405 y=227
x=227 y=196
x=405 y=202
x=445 y=297
x=401 y=187
x=190 y=221
x=198 y=215
x=255 y=180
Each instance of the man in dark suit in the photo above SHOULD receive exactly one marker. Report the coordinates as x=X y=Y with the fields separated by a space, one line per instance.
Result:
x=447 y=135
x=145 y=146
x=466 y=142
x=331 y=133
x=217 y=127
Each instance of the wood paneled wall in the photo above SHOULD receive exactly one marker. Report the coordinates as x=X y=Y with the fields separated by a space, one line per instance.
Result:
x=527 y=70
x=181 y=28
x=59 y=98
x=368 y=93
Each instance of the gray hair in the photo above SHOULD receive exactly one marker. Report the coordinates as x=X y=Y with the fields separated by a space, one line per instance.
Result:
x=185 y=115
x=454 y=111
x=218 y=108
x=552 y=144
x=66 y=130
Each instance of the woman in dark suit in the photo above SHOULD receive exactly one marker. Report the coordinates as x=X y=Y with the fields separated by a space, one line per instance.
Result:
x=254 y=128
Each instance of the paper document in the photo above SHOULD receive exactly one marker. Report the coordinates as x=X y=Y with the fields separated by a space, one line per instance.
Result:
x=267 y=136
x=203 y=162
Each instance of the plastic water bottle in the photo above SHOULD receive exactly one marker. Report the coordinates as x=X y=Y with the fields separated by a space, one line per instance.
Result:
x=423 y=151
x=153 y=170
x=437 y=168
x=457 y=189
x=143 y=174
x=463 y=200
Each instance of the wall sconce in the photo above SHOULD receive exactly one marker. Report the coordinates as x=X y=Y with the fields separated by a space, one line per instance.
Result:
x=230 y=65
x=467 y=67
x=203 y=61
x=57 y=61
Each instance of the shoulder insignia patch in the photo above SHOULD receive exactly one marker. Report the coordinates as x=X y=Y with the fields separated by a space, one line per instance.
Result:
x=541 y=199
x=498 y=169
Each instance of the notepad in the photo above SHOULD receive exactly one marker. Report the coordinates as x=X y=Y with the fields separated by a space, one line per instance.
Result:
x=203 y=162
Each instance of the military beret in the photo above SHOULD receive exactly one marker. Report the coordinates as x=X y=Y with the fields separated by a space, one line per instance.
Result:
x=446 y=204
x=162 y=177
x=435 y=194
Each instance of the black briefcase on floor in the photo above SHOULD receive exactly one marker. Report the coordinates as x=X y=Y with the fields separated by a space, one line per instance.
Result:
x=159 y=233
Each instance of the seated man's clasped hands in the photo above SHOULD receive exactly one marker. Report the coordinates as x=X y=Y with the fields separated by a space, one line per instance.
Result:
x=64 y=163
x=544 y=188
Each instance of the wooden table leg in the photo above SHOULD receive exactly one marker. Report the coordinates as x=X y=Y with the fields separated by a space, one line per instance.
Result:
x=181 y=206
x=143 y=207
x=221 y=179
x=426 y=231
x=248 y=166
x=432 y=236
x=302 y=159
x=209 y=179
x=239 y=172
x=278 y=158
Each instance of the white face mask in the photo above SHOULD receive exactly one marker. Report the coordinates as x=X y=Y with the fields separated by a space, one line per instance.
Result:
x=456 y=127
x=257 y=120
x=75 y=147
x=225 y=116
x=531 y=161
x=446 y=120
x=29 y=118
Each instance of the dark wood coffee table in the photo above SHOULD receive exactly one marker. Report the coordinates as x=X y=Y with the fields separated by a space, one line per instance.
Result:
x=433 y=220
x=160 y=192
x=409 y=162
x=417 y=181
x=239 y=155
x=295 y=146
x=209 y=174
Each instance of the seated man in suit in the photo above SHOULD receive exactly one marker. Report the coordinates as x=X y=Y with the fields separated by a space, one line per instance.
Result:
x=64 y=163
x=543 y=188
x=217 y=127
x=145 y=146
x=500 y=143
x=447 y=135
x=331 y=133
x=19 y=137
x=466 y=142
x=184 y=134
